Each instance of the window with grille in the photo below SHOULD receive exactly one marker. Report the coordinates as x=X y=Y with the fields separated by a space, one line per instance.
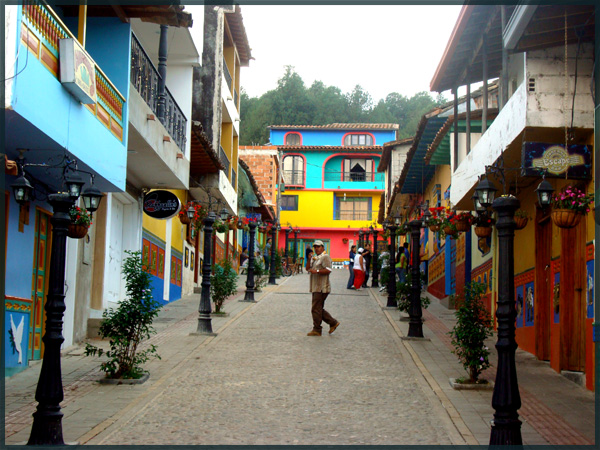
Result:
x=358 y=169
x=292 y=139
x=352 y=208
x=358 y=139
x=293 y=170
x=289 y=203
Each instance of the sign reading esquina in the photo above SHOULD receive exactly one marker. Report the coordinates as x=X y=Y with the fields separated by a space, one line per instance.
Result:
x=161 y=204
x=574 y=161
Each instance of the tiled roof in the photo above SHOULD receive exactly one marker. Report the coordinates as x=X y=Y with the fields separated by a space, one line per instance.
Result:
x=238 y=32
x=321 y=148
x=341 y=126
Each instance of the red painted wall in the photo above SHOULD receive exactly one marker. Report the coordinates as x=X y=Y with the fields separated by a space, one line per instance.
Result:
x=337 y=248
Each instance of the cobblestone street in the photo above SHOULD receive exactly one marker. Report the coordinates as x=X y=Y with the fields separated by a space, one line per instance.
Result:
x=263 y=381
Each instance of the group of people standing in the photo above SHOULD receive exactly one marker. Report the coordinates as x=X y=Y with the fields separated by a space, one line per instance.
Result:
x=360 y=265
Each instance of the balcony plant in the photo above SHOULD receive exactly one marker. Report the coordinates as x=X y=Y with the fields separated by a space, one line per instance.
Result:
x=473 y=327
x=81 y=220
x=448 y=224
x=463 y=221
x=436 y=219
x=345 y=240
x=569 y=206
x=483 y=225
x=128 y=325
x=220 y=226
x=223 y=284
x=200 y=212
x=521 y=219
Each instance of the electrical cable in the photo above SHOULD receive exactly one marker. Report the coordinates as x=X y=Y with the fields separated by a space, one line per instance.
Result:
x=17 y=64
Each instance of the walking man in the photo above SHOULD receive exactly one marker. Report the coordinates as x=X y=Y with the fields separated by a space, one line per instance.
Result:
x=319 y=268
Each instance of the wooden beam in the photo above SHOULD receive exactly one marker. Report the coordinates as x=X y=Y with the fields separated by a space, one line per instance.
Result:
x=468 y=124
x=118 y=9
x=485 y=83
x=82 y=24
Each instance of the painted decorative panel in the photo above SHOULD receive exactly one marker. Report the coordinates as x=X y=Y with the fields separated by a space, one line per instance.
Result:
x=519 y=301
x=528 y=303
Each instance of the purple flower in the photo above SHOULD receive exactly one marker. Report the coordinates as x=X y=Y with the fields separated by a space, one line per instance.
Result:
x=481 y=358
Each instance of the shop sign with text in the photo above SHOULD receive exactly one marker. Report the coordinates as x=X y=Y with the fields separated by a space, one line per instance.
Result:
x=573 y=161
x=161 y=204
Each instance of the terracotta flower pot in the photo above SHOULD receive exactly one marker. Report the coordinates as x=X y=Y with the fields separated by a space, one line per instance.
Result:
x=521 y=222
x=434 y=228
x=463 y=225
x=483 y=231
x=77 y=231
x=184 y=219
x=566 y=218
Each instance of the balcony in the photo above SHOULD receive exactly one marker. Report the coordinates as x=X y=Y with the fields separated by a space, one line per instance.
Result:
x=354 y=176
x=293 y=177
x=353 y=180
x=352 y=215
x=227 y=74
x=145 y=78
x=224 y=159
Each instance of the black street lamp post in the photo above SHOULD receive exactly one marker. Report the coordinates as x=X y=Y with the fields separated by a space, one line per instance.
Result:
x=360 y=238
x=391 y=289
x=204 y=309
x=296 y=231
x=415 y=326
x=375 y=277
x=506 y=426
x=287 y=237
x=249 y=296
x=47 y=419
x=273 y=248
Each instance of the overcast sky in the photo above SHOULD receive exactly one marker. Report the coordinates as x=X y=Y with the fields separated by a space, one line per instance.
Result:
x=383 y=48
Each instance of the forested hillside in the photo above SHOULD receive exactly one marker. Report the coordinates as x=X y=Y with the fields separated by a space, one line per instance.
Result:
x=292 y=103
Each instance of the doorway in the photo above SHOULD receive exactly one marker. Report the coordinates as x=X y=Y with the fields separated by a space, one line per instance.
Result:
x=543 y=285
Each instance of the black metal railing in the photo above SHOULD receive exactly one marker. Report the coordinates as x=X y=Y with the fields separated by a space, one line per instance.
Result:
x=233 y=178
x=227 y=74
x=293 y=177
x=355 y=176
x=224 y=159
x=236 y=99
x=145 y=77
x=352 y=215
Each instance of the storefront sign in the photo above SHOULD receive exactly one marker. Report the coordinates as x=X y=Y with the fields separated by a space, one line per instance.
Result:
x=574 y=161
x=77 y=71
x=161 y=204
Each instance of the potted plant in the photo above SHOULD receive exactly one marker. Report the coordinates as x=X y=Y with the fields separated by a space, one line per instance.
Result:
x=260 y=275
x=200 y=213
x=403 y=229
x=221 y=226
x=345 y=240
x=463 y=221
x=81 y=220
x=223 y=284
x=436 y=219
x=448 y=225
x=473 y=327
x=403 y=293
x=569 y=206
x=521 y=219
x=233 y=223
x=483 y=225
x=128 y=325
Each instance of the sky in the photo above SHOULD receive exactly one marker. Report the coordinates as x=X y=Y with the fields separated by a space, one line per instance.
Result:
x=385 y=49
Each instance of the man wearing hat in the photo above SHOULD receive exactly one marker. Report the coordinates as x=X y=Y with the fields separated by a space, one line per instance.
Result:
x=319 y=268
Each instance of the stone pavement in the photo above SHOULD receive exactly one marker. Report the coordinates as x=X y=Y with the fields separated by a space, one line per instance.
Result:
x=261 y=380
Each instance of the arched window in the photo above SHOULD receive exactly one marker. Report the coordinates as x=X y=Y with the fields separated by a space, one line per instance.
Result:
x=293 y=170
x=358 y=169
x=293 y=139
x=358 y=139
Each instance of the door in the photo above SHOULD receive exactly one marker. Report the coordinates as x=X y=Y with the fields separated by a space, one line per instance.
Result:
x=573 y=298
x=543 y=285
x=41 y=269
x=115 y=252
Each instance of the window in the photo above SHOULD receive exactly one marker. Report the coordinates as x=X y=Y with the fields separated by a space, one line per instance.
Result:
x=352 y=208
x=358 y=169
x=292 y=139
x=289 y=203
x=358 y=139
x=293 y=170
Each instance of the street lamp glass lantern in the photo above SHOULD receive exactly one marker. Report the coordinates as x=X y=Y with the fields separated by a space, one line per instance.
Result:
x=191 y=211
x=91 y=198
x=224 y=214
x=22 y=190
x=479 y=208
x=74 y=184
x=544 y=192
x=486 y=191
x=426 y=217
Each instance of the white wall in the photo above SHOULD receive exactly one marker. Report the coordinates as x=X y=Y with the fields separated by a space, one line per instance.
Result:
x=197 y=28
x=10 y=51
x=179 y=83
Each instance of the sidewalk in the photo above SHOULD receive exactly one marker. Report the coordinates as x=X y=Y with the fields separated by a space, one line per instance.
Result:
x=262 y=381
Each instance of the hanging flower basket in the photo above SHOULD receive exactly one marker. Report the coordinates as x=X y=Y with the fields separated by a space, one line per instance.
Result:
x=434 y=228
x=521 y=222
x=345 y=240
x=449 y=231
x=184 y=219
x=77 y=231
x=566 y=218
x=233 y=225
x=483 y=231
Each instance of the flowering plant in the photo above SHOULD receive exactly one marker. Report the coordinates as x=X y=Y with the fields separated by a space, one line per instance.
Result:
x=573 y=198
x=462 y=217
x=221 y=226
x=80 y=216
x=484 y=221
x=521 y=213
x=438 y=214
x=200 y=212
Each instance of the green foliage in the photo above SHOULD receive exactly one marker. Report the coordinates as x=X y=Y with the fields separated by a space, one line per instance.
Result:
x=223 y=283
x=473 y=327
x=403 y=291
x=292 y=103
x=278 y=263
x=128 y=325
x=260 y=274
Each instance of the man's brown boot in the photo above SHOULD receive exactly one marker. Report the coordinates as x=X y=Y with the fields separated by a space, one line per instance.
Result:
x=314 y=333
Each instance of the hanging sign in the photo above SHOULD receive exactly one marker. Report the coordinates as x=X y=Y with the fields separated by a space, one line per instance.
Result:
x=161 y=204
x=574 y=161
x=77 y=71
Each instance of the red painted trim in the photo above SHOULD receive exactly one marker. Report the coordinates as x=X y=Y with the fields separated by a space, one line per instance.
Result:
x=338 y=229
x=371 y=155
x=292 y=132
x=344 y=190
x=304 y=158
x=359 y=132
x=10 y=297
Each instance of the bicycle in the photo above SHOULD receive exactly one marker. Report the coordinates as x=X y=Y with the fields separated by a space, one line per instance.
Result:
x=285 y=270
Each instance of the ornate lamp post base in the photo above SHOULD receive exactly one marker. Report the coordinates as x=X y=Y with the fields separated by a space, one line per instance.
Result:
x=204 y=319
x=415 y=326
x=391 y=302
x=249 y=297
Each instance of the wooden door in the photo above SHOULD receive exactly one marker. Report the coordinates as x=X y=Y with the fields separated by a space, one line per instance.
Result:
x=41 y=272
x=543 y=285
x=572 y=298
